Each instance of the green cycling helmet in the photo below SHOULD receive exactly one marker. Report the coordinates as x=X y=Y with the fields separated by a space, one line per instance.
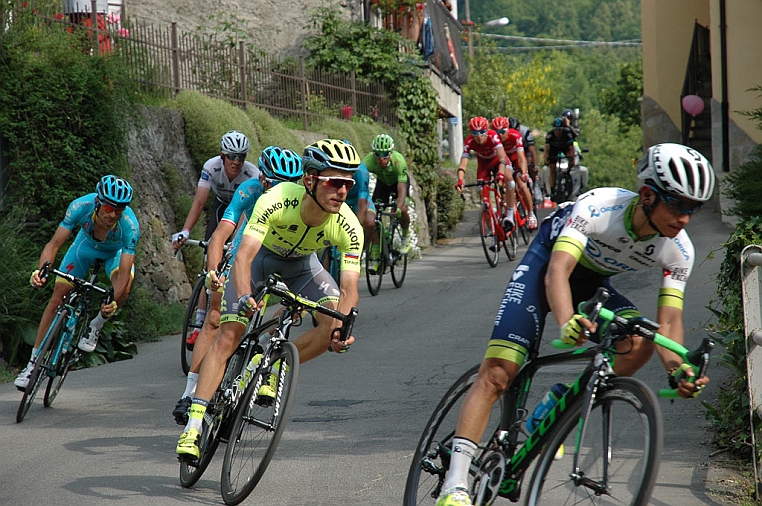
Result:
x=382 y=144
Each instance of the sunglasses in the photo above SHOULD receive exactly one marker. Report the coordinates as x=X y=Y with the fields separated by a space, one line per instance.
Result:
x=382 y=154
x=502 y=131
x=675 y=205
x=338 y=182
x=478 y=132
x=112 y=209
x=236 y=157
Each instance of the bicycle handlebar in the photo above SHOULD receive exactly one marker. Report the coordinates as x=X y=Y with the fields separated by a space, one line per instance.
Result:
x=593 y=309
x=80 y=283
x=274 y=286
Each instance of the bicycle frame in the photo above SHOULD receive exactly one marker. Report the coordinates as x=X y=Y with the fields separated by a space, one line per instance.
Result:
x=486 y=189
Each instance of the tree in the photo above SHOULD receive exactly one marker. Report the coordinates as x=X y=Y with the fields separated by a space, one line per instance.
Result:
x=621 y=100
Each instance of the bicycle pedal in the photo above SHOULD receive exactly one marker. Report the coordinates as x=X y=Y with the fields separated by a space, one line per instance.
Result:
x=188 y=459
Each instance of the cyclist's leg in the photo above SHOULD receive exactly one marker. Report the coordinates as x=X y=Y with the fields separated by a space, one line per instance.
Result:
x=305 y=277
x=510 y=199
x=519 y=322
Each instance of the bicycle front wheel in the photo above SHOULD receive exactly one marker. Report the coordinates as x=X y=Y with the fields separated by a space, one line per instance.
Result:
x=511 y=244
x=489 y=236
x=56 y=382
x=521 y=211
x=374 y=269
x=43 y=363
x=431 y=460
x=190 y=325
x=258 y=426
x=620 y=454
x=399 y=259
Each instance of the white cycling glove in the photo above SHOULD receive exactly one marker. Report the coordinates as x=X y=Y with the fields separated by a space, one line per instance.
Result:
x=181 y=235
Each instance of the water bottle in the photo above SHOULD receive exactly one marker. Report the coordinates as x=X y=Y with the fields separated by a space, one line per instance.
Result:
x=541 y=411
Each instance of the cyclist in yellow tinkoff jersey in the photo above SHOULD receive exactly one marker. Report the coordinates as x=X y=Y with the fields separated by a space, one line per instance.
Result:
x=289 y=224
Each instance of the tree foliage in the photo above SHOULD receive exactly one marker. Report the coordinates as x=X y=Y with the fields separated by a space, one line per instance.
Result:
x=621 y=100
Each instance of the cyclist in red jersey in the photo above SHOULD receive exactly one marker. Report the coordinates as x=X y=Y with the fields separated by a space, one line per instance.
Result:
x=513 y=144
x=491 y=159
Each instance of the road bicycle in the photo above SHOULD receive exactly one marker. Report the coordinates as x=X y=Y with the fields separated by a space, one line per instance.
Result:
x=189 y=324
x=491 y=231
x=391 y=257
x=251 y=424
x=58 y=352
x=600 y=444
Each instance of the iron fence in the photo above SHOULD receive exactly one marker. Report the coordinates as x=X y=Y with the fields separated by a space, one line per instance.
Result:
x=165 y=61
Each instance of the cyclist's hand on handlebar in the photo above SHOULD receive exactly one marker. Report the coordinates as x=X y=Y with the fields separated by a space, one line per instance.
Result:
x=214 y=281
x=682 y=379
x=109 y=309
x=576 y=330
x=337 y=345
x=500 y=177
x=35 y=280
x=179 y=238
x=459 y=185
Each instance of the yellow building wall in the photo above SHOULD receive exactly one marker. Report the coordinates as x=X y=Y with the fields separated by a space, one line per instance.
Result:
x=667 y=36
x=744 y=60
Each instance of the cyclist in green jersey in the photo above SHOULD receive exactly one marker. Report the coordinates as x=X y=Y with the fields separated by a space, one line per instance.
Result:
x=390 y=169
x=290 y=222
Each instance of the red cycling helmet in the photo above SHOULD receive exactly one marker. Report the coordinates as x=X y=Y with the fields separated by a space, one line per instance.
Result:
x=500 y=123
x=478 y=123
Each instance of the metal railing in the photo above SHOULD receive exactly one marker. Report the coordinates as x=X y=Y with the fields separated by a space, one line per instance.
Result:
x=751 y=260
x=165 y=61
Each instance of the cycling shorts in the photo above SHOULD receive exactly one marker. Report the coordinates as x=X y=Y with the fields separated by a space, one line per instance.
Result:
x=520 y=319
x=81 y=255
x=383 y=191
x=302 y=275
x=487 y=170
x=215 y=215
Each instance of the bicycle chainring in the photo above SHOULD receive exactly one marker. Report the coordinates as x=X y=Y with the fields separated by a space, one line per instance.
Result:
x=488 y=479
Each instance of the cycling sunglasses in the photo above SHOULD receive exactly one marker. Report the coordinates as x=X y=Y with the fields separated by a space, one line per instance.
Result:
x=236 y=157
x=337 y=182
x=112 y=209
x=382 y=154
x=478 y=132
x=677 y=206
x=502 y=131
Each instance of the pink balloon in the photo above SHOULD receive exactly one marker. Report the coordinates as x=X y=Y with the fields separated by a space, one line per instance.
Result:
x=693 y=104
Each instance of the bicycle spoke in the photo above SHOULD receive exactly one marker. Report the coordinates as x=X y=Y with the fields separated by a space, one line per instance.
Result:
x=399 y=264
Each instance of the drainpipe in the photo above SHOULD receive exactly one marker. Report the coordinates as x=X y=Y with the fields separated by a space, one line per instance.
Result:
x=724 y=79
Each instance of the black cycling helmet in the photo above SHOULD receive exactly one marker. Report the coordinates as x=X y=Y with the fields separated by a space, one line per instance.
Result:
x=568 y=113
x=514 y=123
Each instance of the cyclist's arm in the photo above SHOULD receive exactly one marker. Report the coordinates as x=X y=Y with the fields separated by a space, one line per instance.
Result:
x=546 y=161
x=124 y=280
x=349 y=294
x=401 y=195
x=202 y=195
x=533 y=154
x=50 y=250
x=217 y=243
x=671 y=325
x=362 y=210
x=504 y=160
x=522 y=161
x=557 y=287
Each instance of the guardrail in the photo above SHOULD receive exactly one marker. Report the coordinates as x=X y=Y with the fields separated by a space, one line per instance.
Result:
x=751 y=260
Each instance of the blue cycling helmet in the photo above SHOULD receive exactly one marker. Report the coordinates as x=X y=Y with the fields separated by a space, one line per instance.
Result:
x=558 y=123
x=280 y=164
x=114 y=191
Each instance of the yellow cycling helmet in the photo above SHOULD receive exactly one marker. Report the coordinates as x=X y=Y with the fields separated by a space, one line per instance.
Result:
x=330 y=154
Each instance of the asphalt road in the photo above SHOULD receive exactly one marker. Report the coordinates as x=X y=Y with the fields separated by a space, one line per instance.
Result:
x=109 y=438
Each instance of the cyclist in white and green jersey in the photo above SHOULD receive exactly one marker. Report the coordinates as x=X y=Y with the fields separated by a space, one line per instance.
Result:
x=289 y=224
x=577 y=249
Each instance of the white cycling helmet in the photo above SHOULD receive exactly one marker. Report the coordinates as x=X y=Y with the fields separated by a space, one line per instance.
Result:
x=678 y=170
x=234 y=142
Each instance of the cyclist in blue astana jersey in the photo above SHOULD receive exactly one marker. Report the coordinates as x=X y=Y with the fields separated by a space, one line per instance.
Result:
x=288 y=225
x=222 y=175
x=108 y=231
x=359 y=200
x=275 y=165
x=577 y=249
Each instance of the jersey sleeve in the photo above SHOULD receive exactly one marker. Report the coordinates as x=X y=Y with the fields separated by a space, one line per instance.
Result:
x=349 y=240
x=400 y=165
x=677 y=269
x=467 y=147
x=267 y=206
x=244 y=199
x=205 y=180
x=530 y=139
x=574 y=233
x=362 y=179
x=130 y=231
x=78 y=211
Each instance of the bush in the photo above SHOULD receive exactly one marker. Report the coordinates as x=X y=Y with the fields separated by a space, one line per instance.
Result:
x=450 y=205
x=271 y=132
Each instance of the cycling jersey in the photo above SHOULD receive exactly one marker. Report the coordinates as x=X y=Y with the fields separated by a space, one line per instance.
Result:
x=360 y=190
x=213 y=176
x=242 y=204
x=122 y=238
x=526 y=134
x=513 y=144
x=395 y=172
x=596 y=230
x=276 y=222
x=486 y=153
x=559 y=144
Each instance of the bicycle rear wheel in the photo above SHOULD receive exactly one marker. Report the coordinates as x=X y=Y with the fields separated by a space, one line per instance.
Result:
x=43 y=363
x=186 y=350
x=621 y=452
x=511 y=245
x=431 y=460
x=522 y=212
x=489 y=236
x=374 y=278
x=399 y=259
x=258 y=426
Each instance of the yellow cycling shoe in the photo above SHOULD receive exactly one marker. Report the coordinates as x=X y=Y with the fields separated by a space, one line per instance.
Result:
x=187 y=446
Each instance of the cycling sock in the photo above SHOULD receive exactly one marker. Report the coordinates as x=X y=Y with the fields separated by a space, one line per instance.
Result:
x=190 y=384
x=463 y=451
x=200 y=316
x=196 y=415
x=98 y=321
x=375 y=250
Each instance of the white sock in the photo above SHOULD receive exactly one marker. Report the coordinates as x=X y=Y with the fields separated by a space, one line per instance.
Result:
x=190 y=385
x=462 y=453
x=98 y=322
x=200 y=316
